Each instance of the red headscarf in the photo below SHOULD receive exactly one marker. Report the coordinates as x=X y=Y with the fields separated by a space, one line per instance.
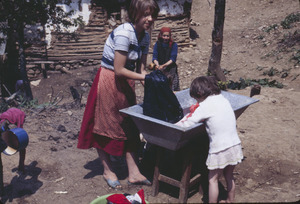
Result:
x=163 y=30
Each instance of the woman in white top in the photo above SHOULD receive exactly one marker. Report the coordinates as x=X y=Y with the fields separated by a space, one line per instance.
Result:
x=225 y=150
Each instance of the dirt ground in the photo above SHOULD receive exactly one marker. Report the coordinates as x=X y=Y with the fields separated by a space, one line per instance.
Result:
x=58 y=172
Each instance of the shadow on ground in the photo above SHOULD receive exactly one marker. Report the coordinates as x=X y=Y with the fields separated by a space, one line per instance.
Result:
x=23 y=185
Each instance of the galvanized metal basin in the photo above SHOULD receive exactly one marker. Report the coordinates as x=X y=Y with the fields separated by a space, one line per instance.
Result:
x=171 y=136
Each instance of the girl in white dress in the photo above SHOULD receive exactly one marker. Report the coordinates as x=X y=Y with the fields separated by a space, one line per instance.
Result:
x=225 y=149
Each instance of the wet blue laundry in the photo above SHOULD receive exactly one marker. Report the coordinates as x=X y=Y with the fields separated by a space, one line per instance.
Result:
x=160 y=101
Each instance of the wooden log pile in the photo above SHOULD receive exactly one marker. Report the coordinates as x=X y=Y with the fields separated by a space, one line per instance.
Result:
x=85 y=47
x=179 y=26
x=71 y=50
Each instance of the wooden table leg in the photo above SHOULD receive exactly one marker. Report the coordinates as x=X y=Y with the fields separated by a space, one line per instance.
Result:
x=155 y=182
x=186 y=176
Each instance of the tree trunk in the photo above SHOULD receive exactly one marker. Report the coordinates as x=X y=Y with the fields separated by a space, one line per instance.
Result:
x=22 y=61
x=217 y=41
x=10 y=70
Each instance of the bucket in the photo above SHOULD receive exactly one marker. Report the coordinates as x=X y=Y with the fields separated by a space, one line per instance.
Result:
x=16 y=139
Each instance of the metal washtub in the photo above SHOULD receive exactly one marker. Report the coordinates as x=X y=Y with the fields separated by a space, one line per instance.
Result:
x=171 y=136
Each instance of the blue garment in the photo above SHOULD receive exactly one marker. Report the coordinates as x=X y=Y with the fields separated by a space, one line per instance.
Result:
x=159 y=100
x=173 y=54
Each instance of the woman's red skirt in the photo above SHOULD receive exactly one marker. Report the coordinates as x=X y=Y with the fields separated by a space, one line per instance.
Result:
x=103 y=126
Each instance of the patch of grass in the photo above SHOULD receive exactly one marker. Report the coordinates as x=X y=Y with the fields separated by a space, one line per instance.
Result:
x=289 y=20
x=3 y=106
x=289 y=40
x=27 y=104
x=226 y=72
x=260 y=68
x=273 y=53
x=296 y=57
x=270 y=28
x=271 y=72
x=260 y=37
x=243 y=83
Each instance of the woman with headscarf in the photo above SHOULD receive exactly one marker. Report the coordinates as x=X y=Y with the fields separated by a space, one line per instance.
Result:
x=165 y=55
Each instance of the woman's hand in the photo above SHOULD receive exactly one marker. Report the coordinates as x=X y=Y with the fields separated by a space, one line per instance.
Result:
x=160 y=67
x=142 y=82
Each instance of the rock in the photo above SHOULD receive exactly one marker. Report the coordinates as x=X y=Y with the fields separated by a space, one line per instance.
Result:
x=250 y=184
x=61 y=128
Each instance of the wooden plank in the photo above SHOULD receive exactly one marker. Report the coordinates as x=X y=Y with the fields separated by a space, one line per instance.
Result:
x=87 y=40
x=42 y=62
x=92 y=44
x=79 y=57
x=169 y=180
x=75 y=52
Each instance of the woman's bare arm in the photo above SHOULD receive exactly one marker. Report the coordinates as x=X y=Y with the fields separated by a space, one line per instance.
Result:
x=120 y=70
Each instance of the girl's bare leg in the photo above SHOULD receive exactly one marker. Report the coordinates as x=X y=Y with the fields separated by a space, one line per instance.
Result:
x=228 y=174
x=107 y=173
x=134 y=174
x=213 y=189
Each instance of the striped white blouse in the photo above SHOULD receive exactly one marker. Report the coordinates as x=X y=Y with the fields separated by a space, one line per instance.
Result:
x=124 y=38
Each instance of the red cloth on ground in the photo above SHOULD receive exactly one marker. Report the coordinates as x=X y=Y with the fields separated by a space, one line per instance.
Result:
x=139 y=197
x=14 y=116
x=85 y=138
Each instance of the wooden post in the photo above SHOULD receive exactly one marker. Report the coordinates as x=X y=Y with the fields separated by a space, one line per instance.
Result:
x=217 y=41
x=155 y=182
x=1 y=175
x=2 y=64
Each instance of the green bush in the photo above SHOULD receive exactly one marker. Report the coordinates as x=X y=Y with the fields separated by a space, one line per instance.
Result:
x=289 y=20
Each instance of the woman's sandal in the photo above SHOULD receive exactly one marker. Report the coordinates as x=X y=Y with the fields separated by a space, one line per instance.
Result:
x=145 y=182
x=113 y=184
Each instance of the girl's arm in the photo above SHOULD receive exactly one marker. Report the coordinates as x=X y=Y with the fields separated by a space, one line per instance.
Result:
x=192 y=119
x=121 y=71
x=141 y=68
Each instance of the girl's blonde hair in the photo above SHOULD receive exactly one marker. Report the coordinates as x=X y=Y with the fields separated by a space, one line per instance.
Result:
x=138 y=7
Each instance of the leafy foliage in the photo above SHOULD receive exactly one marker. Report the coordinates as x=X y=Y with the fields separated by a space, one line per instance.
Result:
x=290 y=19
x=16 y=14
x=271 y=27
x=3 y=106
x=243 y=83
x=296 y=57
x=31 y=12
x=27 y=104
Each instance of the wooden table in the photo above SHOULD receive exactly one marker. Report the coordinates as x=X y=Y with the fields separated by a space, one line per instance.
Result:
x=187 y=154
